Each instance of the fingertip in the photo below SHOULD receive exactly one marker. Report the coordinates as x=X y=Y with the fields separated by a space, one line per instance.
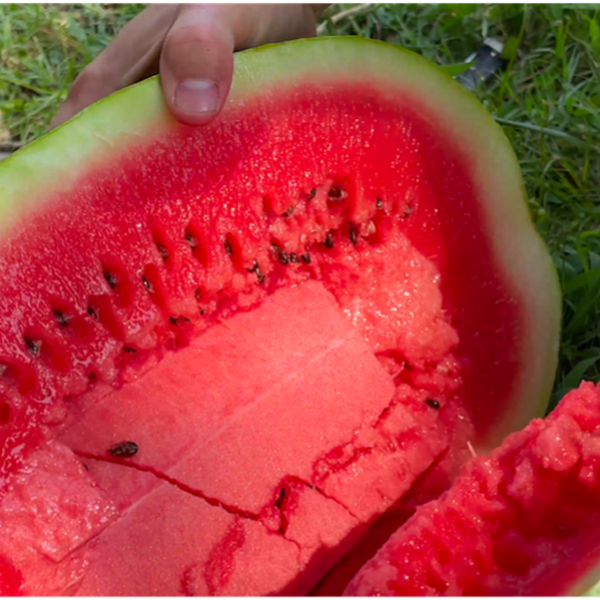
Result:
x=196 y=101
x=196 y=64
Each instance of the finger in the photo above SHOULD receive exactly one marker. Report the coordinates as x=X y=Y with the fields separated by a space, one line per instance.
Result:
x=281 y=22
x=196 y=64
x=132 y=55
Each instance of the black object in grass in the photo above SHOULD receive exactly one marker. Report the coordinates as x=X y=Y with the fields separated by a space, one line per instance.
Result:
x=487 y=61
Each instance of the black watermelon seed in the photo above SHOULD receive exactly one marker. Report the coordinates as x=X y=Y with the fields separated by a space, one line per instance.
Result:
x=162 y=251
x=281 y=256
x=191 y=240
x=353 y=235
x=110 y=279
x=379 y=204
x=197 y=293
x=228 y=248
x=280 y=499
x=259 y=274
x=305 y=258
x=329 y=241
x=147 y=284
x=129 y=350
x=61 y=318
x=311 y=194
x=288 y=212
x=256 y=270
x=32 y=346
x=433 y=403
x=173 y=320
x=293 y=257
x=123 y=450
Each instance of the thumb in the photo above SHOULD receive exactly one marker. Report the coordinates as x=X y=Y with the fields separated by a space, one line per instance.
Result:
x=196 y=64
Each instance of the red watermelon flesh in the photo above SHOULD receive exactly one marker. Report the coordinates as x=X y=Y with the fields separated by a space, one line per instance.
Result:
x=162 y=295
x=524 y=521
x=294 y=381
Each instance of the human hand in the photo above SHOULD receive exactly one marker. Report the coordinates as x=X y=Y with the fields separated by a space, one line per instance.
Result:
x=192 y=46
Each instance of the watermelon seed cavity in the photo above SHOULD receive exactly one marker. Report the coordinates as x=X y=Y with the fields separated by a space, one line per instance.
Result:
x=353 y=235
x=337 y=193
x=191 y=240
x=433 y=403
x=329 y=241
x=379 y=204
x=33 y=346
x=61 y=318
x=110 y=279
x=162 y=251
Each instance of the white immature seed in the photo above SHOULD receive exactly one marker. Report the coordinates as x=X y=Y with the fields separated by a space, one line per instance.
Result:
x=368 y=229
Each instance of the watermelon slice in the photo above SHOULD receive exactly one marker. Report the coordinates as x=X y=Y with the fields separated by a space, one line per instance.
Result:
x=522 y=522
x=226 y=352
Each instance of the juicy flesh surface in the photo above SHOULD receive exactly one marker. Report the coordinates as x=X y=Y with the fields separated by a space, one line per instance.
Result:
x=293 y=382
x=143 y=259
x=522 y=522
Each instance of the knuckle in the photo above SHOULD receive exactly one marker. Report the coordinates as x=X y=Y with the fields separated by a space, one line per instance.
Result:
x=89 y=81
x=186 y=35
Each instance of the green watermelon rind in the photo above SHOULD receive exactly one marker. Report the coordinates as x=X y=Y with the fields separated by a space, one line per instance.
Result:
x=588 y=585
x=136 y=114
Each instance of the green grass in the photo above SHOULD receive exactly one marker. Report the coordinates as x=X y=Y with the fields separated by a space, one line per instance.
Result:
x=548 y=101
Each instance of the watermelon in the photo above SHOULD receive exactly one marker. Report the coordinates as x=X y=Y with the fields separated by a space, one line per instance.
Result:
x=523 y=521
x=228 y=353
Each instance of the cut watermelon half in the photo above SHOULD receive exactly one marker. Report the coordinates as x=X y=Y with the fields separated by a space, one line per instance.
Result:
x=227 y=351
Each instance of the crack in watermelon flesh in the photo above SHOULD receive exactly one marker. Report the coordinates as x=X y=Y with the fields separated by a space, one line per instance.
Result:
x=286 y=332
